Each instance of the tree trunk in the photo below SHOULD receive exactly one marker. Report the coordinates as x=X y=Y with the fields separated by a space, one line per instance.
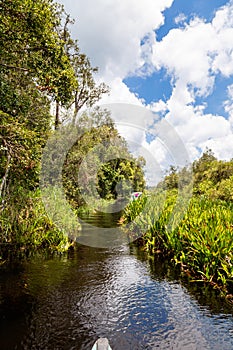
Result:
x=3 y=185
x=57 y=117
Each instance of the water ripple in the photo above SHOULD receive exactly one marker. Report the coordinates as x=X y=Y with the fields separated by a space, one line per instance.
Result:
x=111 y=293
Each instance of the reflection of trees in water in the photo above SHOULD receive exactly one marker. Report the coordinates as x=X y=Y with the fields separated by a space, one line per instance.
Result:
x=204 y=294
x=72 y=300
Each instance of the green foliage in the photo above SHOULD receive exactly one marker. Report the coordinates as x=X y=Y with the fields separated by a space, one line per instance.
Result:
x=211 y=177
x=32 y=55
x=176 y=178
x=24 y=224
x=31 y=46
x=20 y=154
x=88 y=92
x=39 y=63
x=119 y=177
x=99 y=163
x=203 y=164
x=214 y=180
x=201 y=241
x=225 y=189
x=84 y=90
x=60 y=212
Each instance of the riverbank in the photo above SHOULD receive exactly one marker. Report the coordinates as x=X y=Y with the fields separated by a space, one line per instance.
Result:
x=200 y=243
x=26 y=228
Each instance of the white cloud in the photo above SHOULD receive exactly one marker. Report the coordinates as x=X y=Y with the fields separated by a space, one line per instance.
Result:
x=120 y=93
x=228 y=105
x=193 y=56
x=159 y=106
x=222 y=146
x=223 y=26
x=195 y=53
x=111 y=34
x=184 y=52
x=180 y=18
x=198 y=129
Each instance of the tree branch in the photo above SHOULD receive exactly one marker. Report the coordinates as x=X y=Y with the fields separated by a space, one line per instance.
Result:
x=13 y=67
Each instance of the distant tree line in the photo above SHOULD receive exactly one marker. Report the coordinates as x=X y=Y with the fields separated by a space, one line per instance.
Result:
x=212 y=178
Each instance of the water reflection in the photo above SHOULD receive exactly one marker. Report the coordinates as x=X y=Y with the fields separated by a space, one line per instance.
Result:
x=67 y=303
x=101 y=229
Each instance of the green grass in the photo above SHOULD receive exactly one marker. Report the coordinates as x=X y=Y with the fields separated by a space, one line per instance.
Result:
x=199 y=239
x=25 y=226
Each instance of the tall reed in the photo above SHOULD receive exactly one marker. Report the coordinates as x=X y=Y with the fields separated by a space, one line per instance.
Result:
x=201 y=241
x=25 y=226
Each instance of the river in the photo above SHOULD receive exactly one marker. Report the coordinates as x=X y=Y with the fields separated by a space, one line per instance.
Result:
x=68 y=301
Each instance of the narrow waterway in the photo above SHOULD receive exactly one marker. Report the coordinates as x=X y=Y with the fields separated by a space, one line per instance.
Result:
x=68 y=302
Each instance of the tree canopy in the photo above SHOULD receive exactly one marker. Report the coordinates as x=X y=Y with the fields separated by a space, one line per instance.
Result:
x=39 y=63
x=211 y=177
x=107 y=166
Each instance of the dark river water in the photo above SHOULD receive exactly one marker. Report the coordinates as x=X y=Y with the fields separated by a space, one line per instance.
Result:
x=68 y=302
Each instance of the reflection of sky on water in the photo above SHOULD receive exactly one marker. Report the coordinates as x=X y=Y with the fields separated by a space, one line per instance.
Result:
x=161 y=314
x=111 y=293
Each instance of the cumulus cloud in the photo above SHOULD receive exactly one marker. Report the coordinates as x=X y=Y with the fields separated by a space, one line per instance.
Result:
x=229 y=105
x=110 y=32
x=193 y=56
x=184 y=52
x=120 y=38
x=221 y=146
x=200 y=50
x=223 y=26
x=180 y=18
x=120 y=93
x=159 y=106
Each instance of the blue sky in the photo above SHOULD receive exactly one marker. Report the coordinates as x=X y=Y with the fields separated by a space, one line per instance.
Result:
x=151 y=88
x=158 y=85
x=172 y=57
x=202 y=8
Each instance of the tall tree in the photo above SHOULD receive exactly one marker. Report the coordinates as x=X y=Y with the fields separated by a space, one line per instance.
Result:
x=102 y=154
x=39 y=62
x=33 y=65
x=86 y=92
x=30 y=44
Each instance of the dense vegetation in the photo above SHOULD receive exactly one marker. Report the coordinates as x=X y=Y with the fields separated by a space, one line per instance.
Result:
x=199 y=240
x=107 y=165
x=40 y=65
